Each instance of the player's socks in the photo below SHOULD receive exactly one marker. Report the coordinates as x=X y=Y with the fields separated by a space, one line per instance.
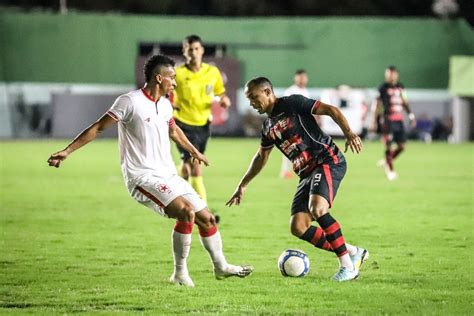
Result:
x=212 y=242
x=181 y=238
x=198 y=184
x=397 y=151
x=316 y=236
x=388 y=159
x=333 y=234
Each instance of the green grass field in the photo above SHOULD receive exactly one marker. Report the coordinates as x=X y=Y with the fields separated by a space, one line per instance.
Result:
x=72 y=240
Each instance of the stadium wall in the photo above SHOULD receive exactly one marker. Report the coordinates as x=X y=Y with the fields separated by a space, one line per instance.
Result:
x=101 y=48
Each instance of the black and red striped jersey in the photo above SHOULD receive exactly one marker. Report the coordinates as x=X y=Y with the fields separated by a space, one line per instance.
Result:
x=391 y=96
x=294 y=130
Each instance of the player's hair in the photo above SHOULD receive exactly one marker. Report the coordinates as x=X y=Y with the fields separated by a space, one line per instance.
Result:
x=258 y=81
x=300 y=71
x=392 y=68
x=154 y=63
x=193 y=39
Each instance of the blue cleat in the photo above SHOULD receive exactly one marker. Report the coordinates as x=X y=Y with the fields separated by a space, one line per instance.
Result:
x=345 y=274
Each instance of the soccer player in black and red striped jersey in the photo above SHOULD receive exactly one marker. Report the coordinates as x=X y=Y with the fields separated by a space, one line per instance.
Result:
x=392 y=102
x=316 y=159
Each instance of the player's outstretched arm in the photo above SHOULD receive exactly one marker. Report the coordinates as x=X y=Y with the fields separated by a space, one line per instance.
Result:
x=83 y=138
x=353 y=141
x=177 y=135
x=257 y=164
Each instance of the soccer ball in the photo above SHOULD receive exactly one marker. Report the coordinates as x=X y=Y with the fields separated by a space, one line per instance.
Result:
x=293 y=263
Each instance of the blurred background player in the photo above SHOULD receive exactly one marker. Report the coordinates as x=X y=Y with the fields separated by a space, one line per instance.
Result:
x=145 y=125
x=391 y=103
x=300 y=81
x=317 y=160
x=198 y=85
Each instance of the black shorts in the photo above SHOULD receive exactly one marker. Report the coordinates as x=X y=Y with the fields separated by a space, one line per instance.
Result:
x=197 y=135
x=323 y=181
x=394 y=131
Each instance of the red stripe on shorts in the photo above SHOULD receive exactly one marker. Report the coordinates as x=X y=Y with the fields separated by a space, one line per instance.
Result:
x=150 y=196
x=327 y=175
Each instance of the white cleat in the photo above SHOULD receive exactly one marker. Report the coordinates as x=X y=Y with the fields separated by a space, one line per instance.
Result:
x=181 y=279
x=392 y=175
x=345 y=274
x=359 y=258
x=232 y=270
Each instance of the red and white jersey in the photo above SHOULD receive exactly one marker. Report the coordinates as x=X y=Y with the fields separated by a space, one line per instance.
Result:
x=143 y=135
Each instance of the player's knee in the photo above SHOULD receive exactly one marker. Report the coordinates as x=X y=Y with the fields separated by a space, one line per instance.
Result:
x=298 y=229
x=318 y=210
x=187 y=213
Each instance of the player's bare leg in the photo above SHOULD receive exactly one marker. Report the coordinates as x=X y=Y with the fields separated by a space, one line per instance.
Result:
x=319 y=207
x=194 y=176
x=212 y=242
x=387 y=163
x=183 y=212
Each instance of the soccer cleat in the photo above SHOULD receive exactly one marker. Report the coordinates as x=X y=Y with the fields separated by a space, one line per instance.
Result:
x=232 y=270
x=181 y=279
x=344 y=274
x=392 y=175
x=360 y=256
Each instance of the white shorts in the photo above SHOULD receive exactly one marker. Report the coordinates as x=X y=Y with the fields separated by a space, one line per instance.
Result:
x=156 y=192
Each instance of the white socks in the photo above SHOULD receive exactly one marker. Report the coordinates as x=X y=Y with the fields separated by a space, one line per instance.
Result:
x=181 y=238
x=352 y=249
x=345 y=261
x=213 y=245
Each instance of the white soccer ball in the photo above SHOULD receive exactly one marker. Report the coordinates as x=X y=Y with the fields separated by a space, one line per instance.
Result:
x=293 y=263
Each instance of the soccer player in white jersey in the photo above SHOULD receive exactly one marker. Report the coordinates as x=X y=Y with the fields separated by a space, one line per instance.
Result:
x=300 y=81
x=145 y=125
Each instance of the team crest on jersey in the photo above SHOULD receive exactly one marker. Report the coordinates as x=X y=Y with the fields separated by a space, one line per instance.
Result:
x=209 y=89
x=163 y=188
x=280 y=126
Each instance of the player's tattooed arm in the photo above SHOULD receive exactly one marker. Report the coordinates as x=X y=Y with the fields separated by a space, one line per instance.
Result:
x=86 y=136
x=353 y=141
x=256 y=165
x=177 y=135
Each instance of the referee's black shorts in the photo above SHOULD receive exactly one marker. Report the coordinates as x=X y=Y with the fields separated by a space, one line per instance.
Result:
x=197 y=135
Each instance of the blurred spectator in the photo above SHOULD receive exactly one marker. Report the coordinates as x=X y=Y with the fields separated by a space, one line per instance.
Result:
x=442 y=128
